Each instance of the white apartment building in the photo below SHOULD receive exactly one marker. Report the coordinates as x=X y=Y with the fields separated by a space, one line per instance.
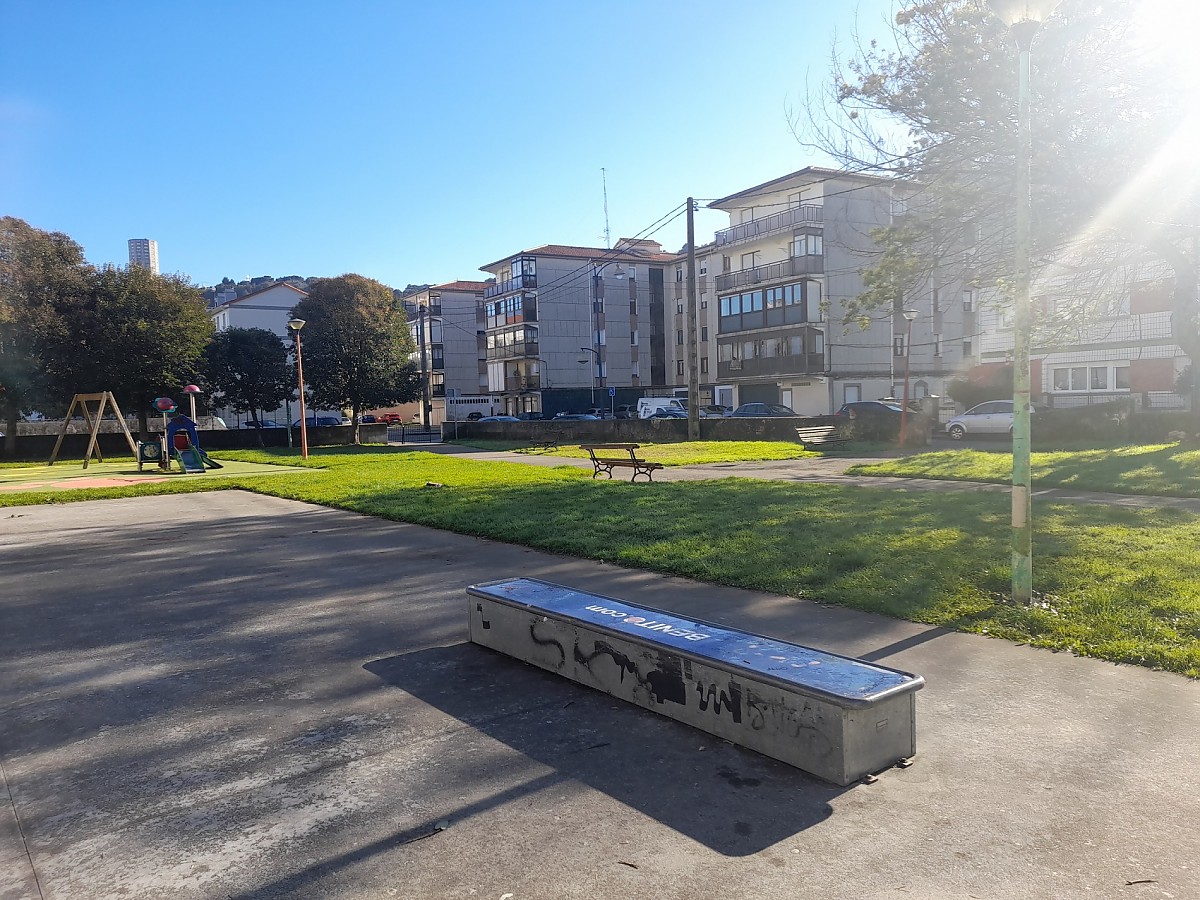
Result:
x=783 y=272
x=144 y=252
x=269 y=308
x=1117 y=343
x=706 y=325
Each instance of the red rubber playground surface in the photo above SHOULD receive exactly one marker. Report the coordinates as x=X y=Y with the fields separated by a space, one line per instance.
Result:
x=70 y=475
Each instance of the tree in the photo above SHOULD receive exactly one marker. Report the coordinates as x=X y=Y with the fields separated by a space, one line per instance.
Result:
x=35 y=267
x=247 y=370
x=1114 y=190
x=356 y=346
x=129 y=331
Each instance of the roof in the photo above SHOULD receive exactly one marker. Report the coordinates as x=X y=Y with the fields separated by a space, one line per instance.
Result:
x=263 y=290
x=818 y=173
x=470 y=286
x=567 y=251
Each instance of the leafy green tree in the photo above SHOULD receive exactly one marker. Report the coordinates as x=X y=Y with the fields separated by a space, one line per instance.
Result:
x=35 y=267
x=247 y=369
x=1113 y=191
x=356 y=346
x=128 y=331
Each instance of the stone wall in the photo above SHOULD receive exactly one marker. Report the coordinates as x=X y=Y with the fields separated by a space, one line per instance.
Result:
x=634 y=431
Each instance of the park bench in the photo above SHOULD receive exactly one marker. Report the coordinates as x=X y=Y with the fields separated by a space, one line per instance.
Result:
x=607 y=462
x=821 y=435
x=549 y=444
x=836 y=717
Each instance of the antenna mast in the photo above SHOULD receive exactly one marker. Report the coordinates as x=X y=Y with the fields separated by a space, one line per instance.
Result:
x=607 y=238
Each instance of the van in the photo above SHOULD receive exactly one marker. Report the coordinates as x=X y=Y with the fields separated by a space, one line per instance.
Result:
x=647 y=406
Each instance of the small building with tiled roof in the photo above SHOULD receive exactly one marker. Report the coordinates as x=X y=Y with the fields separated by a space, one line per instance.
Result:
x=268 y=308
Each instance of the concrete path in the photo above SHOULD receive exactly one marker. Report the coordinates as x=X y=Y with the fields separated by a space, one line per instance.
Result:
x=227 y=695
x=832 y=470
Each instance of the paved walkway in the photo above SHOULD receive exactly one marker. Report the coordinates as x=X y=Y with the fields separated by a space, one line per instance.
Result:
x=832 y=470
x=225 y=695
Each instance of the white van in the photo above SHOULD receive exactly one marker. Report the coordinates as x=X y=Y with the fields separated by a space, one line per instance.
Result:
x=648 y=406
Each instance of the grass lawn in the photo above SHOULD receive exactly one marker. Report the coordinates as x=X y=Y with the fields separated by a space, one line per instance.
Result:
x=1170 y=470
x=1121 y=584
x=684 y=453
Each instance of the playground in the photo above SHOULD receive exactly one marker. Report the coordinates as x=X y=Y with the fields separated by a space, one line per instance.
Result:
x=68 y=475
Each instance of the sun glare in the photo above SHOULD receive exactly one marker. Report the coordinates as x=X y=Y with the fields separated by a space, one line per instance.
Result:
x=1172 y=28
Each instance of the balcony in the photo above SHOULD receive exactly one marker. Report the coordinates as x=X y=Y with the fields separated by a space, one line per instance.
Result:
x=788 y=268
x=520 y=282
x=527 y=350
x=516 y=383
x=771 y=366
x=781 y=221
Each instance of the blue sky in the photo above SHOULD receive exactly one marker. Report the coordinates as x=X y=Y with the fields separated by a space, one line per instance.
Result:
x=409 y=142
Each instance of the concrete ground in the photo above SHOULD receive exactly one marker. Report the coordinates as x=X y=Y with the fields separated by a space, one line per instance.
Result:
x=227 y=695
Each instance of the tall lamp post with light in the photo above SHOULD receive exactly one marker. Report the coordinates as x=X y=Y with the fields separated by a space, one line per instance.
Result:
x=909 y=315
x=595 y=368
x=597 y=304
x=1023 y=18
x=294 y=325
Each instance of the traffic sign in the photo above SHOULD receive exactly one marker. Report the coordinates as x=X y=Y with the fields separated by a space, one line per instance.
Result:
x=612 y=392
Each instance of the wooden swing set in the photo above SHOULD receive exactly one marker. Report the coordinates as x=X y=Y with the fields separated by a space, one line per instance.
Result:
x=102 y=401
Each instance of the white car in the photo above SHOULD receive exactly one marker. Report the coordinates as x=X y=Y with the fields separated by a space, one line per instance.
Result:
x=992 y=417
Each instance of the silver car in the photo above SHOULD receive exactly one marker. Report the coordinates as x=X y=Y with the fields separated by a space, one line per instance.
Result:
x=992 y=417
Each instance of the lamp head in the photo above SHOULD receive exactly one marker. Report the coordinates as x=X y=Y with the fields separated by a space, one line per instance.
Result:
x=295 y=324
x=910 y=314
x=1013 y=12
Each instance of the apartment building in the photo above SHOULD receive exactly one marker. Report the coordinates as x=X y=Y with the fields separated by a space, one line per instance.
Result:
x=446 y=321
x=785 y=268
x=1093 y=346
x=706 y=326
x=144 y=252
x=269 y=308
x=581 y=318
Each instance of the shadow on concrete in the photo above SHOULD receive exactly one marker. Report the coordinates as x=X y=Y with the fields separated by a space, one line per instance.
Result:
x=733 y=801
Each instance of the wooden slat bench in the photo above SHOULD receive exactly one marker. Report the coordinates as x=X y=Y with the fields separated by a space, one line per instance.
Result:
x=550 y=444
x=840 y=718
x=820 y=436
x=607 y=462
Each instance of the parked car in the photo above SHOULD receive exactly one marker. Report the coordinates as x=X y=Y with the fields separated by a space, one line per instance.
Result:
x=530 y=416
x=668 y=412
x=264 y=423
x=575 y=417
x=368 y=419
x=498 y=419
x=714 y=410
x=392 y=418
x=763 y=409
x=474 y=416
x=601 y=412
x=647 y=405
x=873 y=419
x=626 y=411
x=321 y=421
x=992 y=417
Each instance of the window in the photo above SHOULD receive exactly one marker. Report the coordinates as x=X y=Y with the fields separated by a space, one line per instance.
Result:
x=795 y=345
x=747 y=261
x=1099 y=378
x=968 y=300
x=1071 y=379
x=816 y=342
x=633 y=337
x=724 y=352
x=756 y=301
x=679 y=338
x=704 y=266
x=898 y=345
x=704 y=304
x=678 y=307
x=679 y=273
x=853 y=393
x=1121 y=378
x=704 y=365
x=937 y=345
x=899 y=206
x=966 y=349
x=679 y=367
x=725 y=310
x=704 y=332
x=633 y=307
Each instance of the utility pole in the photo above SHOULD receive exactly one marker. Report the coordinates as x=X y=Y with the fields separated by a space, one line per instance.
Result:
x=693 y=357
x=426 y=403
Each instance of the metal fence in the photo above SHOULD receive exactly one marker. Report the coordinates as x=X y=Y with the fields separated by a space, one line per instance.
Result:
x=414 y=434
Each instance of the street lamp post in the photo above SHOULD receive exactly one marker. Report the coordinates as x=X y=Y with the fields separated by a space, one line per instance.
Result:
x=595 y=369
x=295 y=325
x=1023 y=18
x=909 y=315
x=597 y=303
